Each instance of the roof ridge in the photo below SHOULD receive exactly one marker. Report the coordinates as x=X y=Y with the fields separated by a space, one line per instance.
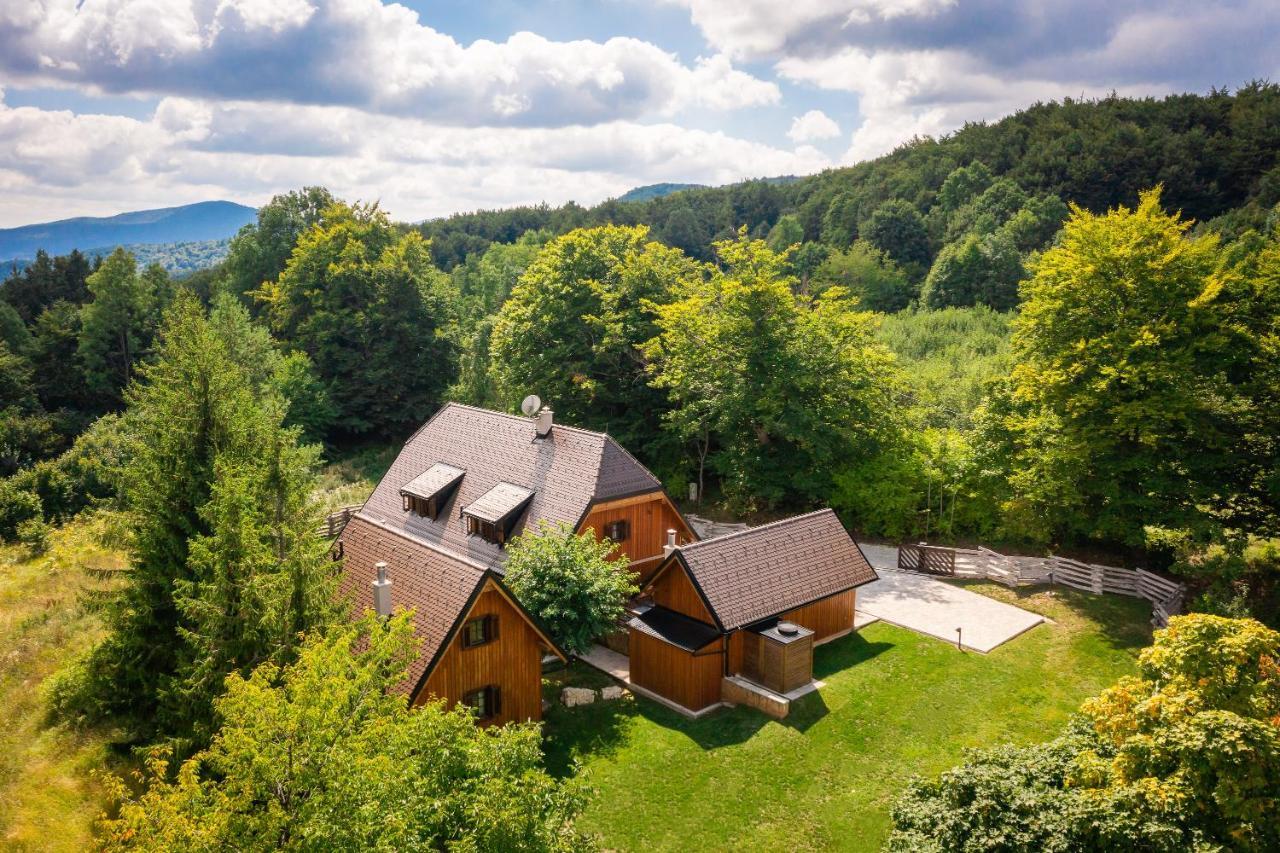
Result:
x=722 y=537
x=523 y=418
x=418 y=540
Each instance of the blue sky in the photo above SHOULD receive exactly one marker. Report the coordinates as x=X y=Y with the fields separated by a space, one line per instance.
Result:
x=435 y=107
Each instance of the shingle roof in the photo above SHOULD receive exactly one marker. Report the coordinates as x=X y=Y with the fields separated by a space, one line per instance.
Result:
x=432 y=481
x=567 y=471
x=438 y=586
x=754 y=574
x=674 y=628
x=499 y=502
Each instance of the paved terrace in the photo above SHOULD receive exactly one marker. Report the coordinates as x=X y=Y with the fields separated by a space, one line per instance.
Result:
x=936 y=608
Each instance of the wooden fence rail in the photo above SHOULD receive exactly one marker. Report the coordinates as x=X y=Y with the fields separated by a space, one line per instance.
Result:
x=335 y=521
x=1166 y=596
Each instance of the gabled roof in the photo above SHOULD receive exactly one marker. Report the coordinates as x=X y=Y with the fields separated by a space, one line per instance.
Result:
x=499 y=502
x=432 y=481
x=567 y=471
x=438 y=586
x=755 y=574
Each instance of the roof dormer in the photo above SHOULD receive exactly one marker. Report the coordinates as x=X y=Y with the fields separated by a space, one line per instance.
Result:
x=493 y=515
x=427 y=493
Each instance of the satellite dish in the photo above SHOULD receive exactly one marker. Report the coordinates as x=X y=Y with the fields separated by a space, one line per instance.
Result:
x=531 y=405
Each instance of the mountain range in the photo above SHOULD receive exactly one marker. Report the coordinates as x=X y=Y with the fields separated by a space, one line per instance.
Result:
x=190 y=223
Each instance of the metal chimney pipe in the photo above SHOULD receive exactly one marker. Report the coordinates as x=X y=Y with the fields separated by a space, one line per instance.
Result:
x=671 y=542
x=382 y=591
x=543 y=422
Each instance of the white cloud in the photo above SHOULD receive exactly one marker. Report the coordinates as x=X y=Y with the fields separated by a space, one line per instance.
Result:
x=360 y=53
x=762 y=28
x=926 y=67
x=57 y=163
x=813 y=125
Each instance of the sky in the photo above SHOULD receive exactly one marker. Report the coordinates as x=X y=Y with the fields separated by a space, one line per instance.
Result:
x=431 y=108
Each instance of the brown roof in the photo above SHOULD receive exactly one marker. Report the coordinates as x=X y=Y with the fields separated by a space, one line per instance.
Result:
x=432 y=481
x=438 y=586
x=762 y=572
x=499 y=502
x=567 y=471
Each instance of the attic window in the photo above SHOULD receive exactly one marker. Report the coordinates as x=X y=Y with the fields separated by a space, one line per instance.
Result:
x=426 y=494
x=618 y=531
x=493 y=515
x=486 y=702
x=479 y=631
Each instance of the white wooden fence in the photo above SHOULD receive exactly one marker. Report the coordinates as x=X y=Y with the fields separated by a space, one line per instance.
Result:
x=1166 y=596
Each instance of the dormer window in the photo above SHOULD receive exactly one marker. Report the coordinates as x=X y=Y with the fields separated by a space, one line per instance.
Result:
x=494 y=514
x=426 y=494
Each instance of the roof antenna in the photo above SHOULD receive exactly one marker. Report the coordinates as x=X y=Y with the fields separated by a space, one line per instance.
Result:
x=531 y=405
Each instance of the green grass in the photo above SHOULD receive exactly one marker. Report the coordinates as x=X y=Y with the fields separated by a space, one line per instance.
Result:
x=896 y=704
x=49 y=796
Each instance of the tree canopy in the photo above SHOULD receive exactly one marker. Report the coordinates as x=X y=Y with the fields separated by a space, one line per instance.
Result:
x=321 y=753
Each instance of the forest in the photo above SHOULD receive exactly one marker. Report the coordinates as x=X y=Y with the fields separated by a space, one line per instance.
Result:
x=1057 y=331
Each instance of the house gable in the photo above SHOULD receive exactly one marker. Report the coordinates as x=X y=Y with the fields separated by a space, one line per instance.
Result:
x=648 y=517
x=675 y=589
x=511 y=661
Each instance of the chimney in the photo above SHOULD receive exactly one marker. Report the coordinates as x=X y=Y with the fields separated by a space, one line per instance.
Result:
x=382 y=591
x=542 y=423
x=671 y=542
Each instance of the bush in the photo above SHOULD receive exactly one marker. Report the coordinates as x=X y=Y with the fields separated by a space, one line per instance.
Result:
x=34 y=533
x=16 y=506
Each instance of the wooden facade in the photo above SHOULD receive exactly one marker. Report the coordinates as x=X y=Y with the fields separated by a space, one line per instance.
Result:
x=781 y=667
x=828 y=617
x=511 y=662
x=648 y=517
x=675 y=591
x=690 y=679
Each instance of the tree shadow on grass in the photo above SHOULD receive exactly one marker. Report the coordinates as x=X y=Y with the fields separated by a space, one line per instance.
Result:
x=598 y=729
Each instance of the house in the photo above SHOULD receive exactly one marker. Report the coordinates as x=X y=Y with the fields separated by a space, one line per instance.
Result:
x=740 y=614
x=432 y=537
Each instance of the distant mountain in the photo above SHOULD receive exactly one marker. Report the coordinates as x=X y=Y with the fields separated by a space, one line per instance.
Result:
x=656 y=191
x=178 y=259
x=190 y=223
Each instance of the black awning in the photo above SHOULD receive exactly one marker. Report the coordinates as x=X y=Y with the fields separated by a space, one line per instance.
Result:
x=674 y=628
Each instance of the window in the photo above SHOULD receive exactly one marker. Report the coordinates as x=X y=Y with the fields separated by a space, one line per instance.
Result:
x=486 y=530
x=617 y=530
x=427 y=508
x=478 y=631
x=486 y=702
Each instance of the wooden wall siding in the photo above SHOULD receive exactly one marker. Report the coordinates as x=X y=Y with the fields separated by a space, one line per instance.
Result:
x=737 y=652
x=777 y=666
x=675 y=591
x=686 y=679
x=513 y=662
x=649 y=516
x=827 y=616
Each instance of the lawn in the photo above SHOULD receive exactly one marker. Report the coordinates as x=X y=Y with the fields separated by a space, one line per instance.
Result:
x=895 y=704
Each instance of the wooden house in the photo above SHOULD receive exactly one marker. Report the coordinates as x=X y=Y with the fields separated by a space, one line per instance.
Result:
x=750 y=605
x=437 y=525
